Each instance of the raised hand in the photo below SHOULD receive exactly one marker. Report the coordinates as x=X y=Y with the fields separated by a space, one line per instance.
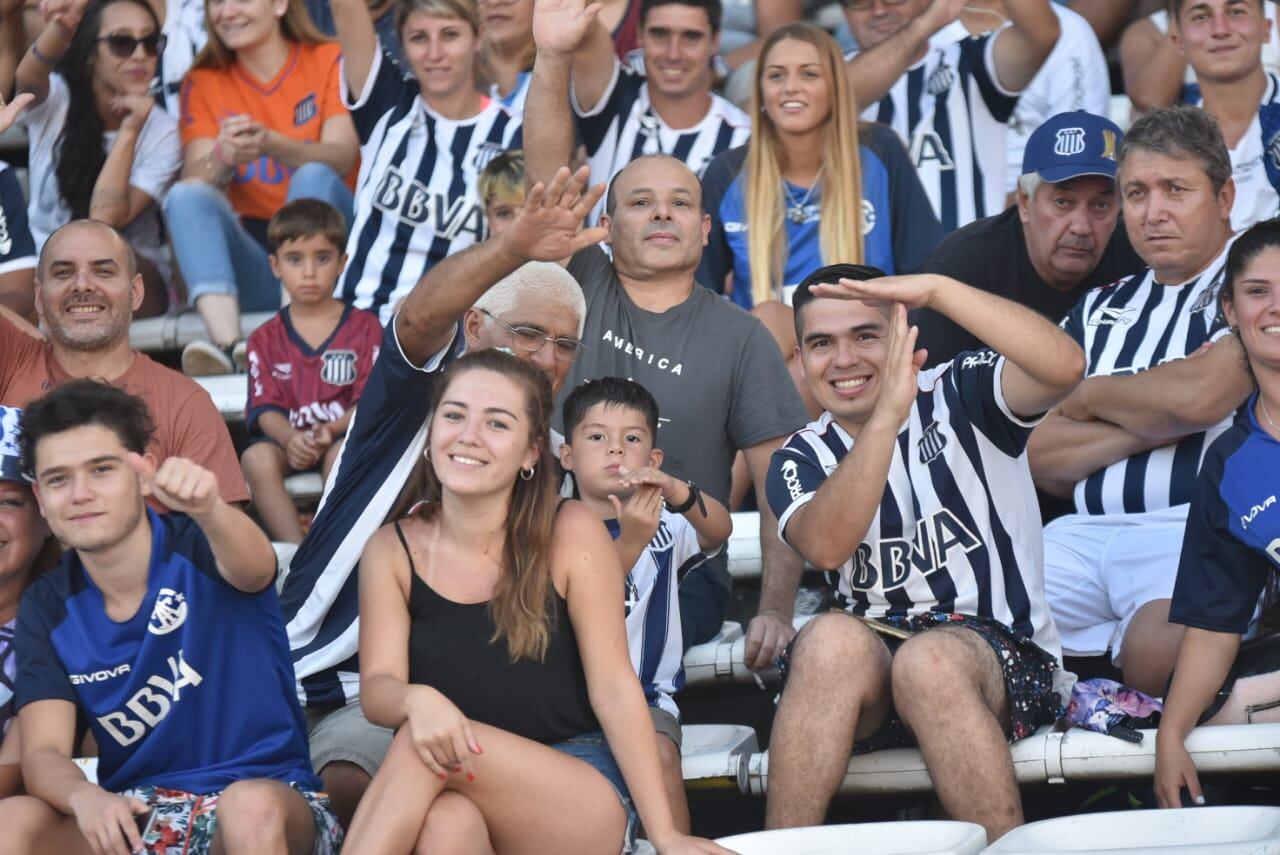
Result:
x=559 y=26
x=898 y=373
x=638 y=518
x=106 y=821
x=914 y=292
x=440 y=733
x=67 y=13
x=179 y=484
x=939 y=13
x=652 y=476
x=547 y=226
x=134 y=109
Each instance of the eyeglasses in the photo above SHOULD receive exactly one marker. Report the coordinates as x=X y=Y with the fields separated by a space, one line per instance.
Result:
x=532 y=339
x=867 y=5
x=123 y=45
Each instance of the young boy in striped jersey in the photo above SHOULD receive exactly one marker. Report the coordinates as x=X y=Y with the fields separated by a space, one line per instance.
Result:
x=661 y=527
x=914 y=487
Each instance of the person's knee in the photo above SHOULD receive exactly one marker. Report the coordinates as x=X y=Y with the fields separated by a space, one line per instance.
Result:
x=254 y=808
x=189 y=194
x=834 y=644
x=25 y=819
x=935 y=669
x=669 y=757
x=452 y=819
x=1149 y=648
x=261 y=460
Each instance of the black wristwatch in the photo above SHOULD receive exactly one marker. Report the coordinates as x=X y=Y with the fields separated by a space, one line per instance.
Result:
x=695 y=497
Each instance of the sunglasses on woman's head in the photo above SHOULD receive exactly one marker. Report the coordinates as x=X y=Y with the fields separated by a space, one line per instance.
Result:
x=123 y=45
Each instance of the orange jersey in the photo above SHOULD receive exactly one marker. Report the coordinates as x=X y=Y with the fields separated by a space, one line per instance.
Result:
x=296 y=103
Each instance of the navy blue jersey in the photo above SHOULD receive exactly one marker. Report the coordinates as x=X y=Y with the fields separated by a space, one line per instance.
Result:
x=1232 y=542
x=320 y=598
x=17 y=249
x=899 y=228
x=194 y=692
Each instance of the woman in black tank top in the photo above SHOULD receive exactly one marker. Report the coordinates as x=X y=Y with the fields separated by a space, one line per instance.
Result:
x=492 y=637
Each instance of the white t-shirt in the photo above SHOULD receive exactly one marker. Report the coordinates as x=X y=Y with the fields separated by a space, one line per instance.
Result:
x=1074 y=77
x=185 y=37
x=156 y=162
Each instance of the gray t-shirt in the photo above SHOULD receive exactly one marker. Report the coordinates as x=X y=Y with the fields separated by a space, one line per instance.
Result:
x=717 y=374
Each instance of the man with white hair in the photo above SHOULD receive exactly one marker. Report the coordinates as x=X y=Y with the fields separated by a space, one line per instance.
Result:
x=486 y=296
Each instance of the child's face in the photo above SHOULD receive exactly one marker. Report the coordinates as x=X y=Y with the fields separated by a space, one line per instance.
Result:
x=609 y=438
x=501 y=212
x=308 y=268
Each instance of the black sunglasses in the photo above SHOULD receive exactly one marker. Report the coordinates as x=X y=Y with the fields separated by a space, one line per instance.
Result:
x=123 y=45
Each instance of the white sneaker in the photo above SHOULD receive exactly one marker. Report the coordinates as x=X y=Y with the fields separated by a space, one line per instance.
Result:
x=204 y=358
x=239 y=355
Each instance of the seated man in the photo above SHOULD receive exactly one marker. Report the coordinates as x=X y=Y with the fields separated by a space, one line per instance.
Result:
x=915 y=488
x=1059 y=241
x=165 y=634
x=1129 y=440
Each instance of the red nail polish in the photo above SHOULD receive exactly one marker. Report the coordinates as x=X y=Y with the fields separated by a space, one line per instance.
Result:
x=470 y=777
x=443 y=776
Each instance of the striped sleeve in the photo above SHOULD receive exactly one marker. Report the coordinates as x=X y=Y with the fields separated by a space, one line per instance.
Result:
x=793 y=480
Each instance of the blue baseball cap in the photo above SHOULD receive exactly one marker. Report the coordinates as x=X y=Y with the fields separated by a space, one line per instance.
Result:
x=10 y=456
x=1070 y=145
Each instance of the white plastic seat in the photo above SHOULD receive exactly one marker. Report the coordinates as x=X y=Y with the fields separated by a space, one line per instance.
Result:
x=723 y=659
x=1234 y=830
x=707 y=750
x=174 y=332
x=1054 y=757
x=230 y=392
x=743 y=548
x=870 y=838
x=88 y=765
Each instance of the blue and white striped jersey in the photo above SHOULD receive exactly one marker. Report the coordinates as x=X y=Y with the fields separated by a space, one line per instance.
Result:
x=1256 y=197
x=653 y=608
x=416 y=196
x=1130 y=326
x=624 y=125
x=952 y=113
x=958 y=529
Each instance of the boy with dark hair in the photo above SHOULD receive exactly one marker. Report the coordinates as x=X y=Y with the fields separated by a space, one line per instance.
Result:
x=502 y=189
x=164 y=631
x=661 y=527
x=307 y=365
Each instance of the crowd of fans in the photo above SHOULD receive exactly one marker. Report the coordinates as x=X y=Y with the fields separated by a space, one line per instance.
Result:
x=563 y=284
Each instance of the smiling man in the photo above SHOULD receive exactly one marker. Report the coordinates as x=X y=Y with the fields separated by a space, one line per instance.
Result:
x=914 y=488
x=87 y=288
x=1163 y=380
x=666 y=108
x=1060 y=239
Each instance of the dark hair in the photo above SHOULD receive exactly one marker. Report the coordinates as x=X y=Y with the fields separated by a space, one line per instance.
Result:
x=303 y=218
x=612 y=392
x=1252 y=242
x=84 y=402
x=1182 y=133
x=829 y=274
x=521 y=604
x=713 y=9
x=1176 y=6
x=80 y=149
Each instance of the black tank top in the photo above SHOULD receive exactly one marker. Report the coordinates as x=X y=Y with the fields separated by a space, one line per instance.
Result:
x=450 y=650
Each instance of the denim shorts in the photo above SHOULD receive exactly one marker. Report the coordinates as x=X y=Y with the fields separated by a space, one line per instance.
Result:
x=592 y=748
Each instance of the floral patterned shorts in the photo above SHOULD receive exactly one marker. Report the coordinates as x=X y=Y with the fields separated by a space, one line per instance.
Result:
x=1027 y=669
x=185 y=822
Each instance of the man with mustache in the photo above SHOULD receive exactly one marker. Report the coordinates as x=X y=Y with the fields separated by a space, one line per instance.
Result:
x=87 y=288
x=1059 y=241
x=718 y=376
x=1163 y=379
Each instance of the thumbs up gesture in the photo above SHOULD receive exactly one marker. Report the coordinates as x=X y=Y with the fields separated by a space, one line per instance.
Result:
x=180 y=484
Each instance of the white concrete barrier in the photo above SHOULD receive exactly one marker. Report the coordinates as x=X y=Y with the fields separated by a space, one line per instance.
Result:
x=1232 y=830
x=868 y=838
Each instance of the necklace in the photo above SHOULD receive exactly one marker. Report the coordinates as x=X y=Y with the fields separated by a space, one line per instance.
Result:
x=795 y=210
x=1262 y=403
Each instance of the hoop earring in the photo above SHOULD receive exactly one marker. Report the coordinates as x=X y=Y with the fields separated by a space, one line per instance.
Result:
x=426 y=455
x=526 y=474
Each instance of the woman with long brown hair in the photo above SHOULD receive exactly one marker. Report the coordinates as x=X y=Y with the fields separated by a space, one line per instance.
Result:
x=811 y=188
x=492 y=638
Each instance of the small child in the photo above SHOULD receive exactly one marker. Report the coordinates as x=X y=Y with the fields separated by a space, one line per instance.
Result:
x=307 y=365
x=661 y=527
x=502 y=189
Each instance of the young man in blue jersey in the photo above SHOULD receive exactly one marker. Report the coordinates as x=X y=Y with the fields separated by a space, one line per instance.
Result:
x=1163 y=380
x=915 y=487
x=159 y=630
x=949 y=96
x=662 y=527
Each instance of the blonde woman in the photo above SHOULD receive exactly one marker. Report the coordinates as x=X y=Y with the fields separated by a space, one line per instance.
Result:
x=810 y=188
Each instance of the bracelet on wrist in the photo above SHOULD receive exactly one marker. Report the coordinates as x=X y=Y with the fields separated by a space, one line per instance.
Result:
x=695 y=497
x=42 y=57
x=217 y=155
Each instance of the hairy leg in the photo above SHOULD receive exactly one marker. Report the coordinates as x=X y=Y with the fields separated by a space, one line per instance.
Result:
x=454 y=826
x=263 y=816
x=837 y=691
x=1150 y=648
x=948 y=688
x=524 y=791
x=265 y=466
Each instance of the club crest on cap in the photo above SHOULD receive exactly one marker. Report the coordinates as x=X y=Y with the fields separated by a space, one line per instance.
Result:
x=1069 y=142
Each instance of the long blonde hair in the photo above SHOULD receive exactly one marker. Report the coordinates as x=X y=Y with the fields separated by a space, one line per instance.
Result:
x=295 y=26
x=840 y=226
